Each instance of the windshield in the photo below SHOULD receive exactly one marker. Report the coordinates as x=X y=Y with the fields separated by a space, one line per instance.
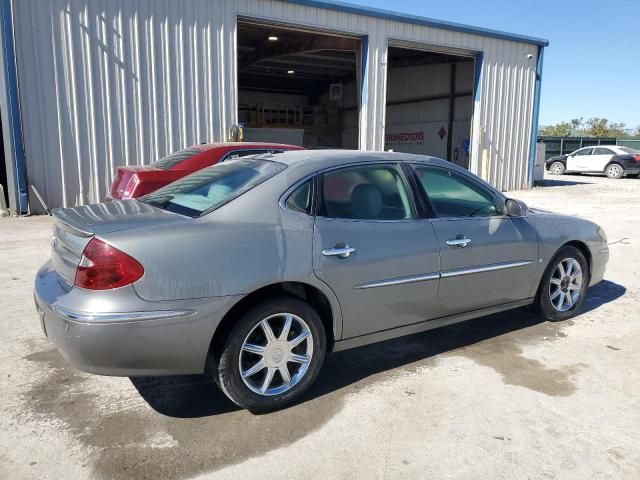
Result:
x=209 y=188
x=165 y=163
x=632 y=151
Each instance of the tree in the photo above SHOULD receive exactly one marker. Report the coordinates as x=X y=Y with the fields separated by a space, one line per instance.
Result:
x=593 y=127
x=562 y=129
x=601 y=127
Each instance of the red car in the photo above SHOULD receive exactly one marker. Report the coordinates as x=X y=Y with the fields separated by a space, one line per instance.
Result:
x=137 y=180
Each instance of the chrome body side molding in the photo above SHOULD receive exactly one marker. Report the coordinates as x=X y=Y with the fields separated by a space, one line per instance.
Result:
x=399 y=281
x=445 y=274
x=484 y=268
x=124 y=317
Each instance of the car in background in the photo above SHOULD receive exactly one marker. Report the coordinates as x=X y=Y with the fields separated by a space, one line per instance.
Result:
x=612 y=160
x=252 y=270
x=133 y=181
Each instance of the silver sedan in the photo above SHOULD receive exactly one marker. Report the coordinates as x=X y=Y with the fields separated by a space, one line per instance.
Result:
x=253 y=270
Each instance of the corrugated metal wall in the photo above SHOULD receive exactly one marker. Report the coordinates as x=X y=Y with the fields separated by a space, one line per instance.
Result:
x=118 y=82
x=111 y=82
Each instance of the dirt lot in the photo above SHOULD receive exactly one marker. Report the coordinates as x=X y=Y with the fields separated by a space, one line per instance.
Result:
x=505 y=396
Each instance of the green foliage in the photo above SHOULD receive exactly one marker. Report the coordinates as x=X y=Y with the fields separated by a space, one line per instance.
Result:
x=562 y=129
x=593 y=127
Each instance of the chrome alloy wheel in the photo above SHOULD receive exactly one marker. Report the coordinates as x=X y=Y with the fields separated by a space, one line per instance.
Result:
x=566 y=284
x=557 y=169
x=272 y=364
x=614 y=171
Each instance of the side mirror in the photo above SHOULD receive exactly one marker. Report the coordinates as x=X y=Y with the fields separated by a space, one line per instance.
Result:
x=515 y=208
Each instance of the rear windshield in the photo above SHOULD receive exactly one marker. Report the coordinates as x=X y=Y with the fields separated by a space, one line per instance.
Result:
x=632 y=151
x=207 y=189
x=165 y=163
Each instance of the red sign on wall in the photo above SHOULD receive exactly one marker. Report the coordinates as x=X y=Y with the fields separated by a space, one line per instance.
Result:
x=416 y=137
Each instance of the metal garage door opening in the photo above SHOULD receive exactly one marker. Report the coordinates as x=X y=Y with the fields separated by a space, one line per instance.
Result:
x=429 y=103
x=298 y=87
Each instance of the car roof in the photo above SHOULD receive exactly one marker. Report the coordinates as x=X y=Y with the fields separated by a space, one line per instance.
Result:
x=320 y=159
x=242 y=145
x=302 y=163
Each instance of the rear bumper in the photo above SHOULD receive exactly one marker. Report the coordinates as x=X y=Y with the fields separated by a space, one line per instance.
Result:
x=631 y=171
x=141 y=338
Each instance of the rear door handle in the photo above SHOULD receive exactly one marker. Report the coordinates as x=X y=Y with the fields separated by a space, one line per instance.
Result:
x=339 y=251
x=459 y=242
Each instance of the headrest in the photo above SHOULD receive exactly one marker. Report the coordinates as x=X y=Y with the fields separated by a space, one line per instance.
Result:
x=366 y=201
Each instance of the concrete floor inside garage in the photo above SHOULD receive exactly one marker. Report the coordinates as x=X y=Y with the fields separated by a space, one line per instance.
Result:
x=501 y=397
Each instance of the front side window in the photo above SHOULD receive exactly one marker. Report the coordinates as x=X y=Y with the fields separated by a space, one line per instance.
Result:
x=453 y=195
x=371 y=192
x=207 y=189
x=172 y=160
x=584 y=151
x=300 y=199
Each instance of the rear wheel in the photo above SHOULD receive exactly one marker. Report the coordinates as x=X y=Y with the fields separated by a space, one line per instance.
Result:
x=614 y=170
x=272 y=355
x=557 y=168
x=563 y=286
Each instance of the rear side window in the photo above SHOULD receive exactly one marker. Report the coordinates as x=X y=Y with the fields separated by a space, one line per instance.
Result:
x=372 y=192
x=602 y=151
x=301 y=198
x=209 y=188
x=454 y=195
x=242 y=153
x=172 y=160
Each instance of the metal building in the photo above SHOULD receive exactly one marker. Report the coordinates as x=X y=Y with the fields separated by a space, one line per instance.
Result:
x=90 y=85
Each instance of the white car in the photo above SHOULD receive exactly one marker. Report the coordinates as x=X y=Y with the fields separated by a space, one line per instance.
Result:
x=612 y=160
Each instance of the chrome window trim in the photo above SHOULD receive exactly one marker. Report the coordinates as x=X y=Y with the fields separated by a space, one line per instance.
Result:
x=499 y=198
x=394 y=163
x=289 y=191
x=121 y=317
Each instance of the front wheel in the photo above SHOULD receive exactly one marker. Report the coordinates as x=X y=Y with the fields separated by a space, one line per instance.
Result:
x=557 y=168
x=563 y=286
x=272 y=355
x=614 y=171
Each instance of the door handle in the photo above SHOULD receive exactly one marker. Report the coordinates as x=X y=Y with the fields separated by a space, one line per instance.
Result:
x=340 y=251
x=459 y=242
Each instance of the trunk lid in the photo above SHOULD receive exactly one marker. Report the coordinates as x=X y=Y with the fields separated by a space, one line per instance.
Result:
x=123 y=175
x=73 y=228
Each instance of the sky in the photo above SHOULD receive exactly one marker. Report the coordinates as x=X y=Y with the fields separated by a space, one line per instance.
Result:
x=592 y=64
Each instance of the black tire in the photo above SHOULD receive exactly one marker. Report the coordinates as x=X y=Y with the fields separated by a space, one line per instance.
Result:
x=543 y=304
x=226 y=370
x=614 y=170
x=557 y=168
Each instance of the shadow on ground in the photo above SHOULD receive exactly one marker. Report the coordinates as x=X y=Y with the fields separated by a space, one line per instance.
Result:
x=547 y=182
x=196 y=396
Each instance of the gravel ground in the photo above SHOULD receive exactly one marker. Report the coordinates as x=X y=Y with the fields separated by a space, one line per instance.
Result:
x=505 y=396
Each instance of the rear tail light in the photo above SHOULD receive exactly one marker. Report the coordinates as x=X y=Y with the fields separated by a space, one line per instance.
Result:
x=637 y=158
x=104 y=267
x=131 y=186
x=116 y=183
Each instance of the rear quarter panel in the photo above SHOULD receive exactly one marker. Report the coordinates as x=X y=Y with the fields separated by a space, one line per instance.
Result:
x=247 y=244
